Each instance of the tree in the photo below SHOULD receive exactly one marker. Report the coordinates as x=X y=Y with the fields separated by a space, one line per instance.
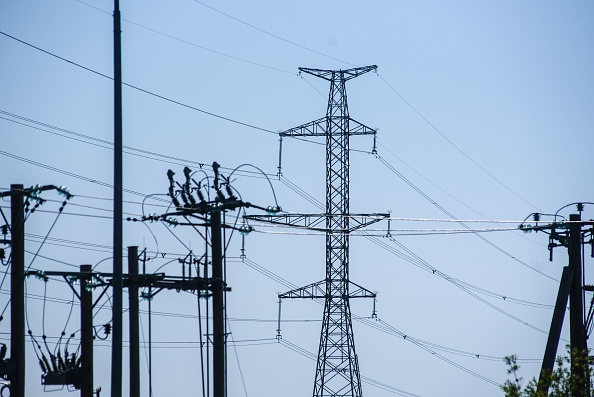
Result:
x=562 y=382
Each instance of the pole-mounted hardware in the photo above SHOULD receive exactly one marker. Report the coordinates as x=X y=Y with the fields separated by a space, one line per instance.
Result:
x=573 y=234
x=193 y=202
x=21 y=201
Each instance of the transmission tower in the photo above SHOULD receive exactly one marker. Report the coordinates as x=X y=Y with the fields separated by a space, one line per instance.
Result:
x=337 y=370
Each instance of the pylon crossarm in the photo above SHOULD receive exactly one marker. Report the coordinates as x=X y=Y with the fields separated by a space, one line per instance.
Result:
x=310 y=221
x=356 y=128
x=313 y=221
x=360 y=292
x=366 y=220
x=313 y=291
x=313 y=128
x=349 y=73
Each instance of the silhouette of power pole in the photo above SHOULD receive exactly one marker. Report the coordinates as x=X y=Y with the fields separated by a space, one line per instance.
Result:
x=199 y=209
x=337 y=370
x=571 y=234
x=14 y=367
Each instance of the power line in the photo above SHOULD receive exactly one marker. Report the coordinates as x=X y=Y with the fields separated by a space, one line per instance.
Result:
x=189 y=42
x=456 y=146
x=139 y=88
x=381 y=325
x=272 y=34
x=390 y=86
x=417 y=262
x=442 y=209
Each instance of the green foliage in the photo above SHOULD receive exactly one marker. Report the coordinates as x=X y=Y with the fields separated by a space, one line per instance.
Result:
x=562 y=382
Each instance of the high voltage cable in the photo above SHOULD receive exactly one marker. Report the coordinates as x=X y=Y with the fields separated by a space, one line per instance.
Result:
x=390 y=86
x=384 y=327
x=263 y=129
x=139 y=88
x=456 y=146
x=311 y=356
x=128 y=149
x=384 y=232
x=272 y=34
x=71 y=174
x=487 y=219
x=284 y=180
x=191 y=344
x=169 y=314
x=442 y=209
x=379 y=242
x=189 y=42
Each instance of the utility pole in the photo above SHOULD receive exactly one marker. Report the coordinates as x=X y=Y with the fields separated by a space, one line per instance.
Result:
x=576 y=302
x=86 y=332
x=337 y=369
x=134 y=321
x=116 y=347
x=569 y=234
x=218 y=307
x=15 y=365
x=198 y=209
x=17 y=291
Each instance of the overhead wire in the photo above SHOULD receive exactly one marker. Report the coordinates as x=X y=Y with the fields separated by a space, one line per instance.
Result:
x=383 y=326
x=413 y=260
x=445 y=211
x=456 y=146
x=271 y=34
x=189 y=42
x=389 y=85
x=139 y=88
x=147 y=154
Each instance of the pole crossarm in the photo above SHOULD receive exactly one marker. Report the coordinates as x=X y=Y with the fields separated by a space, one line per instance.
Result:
x=347 y=74
x=315 y=290
x=554 y=225
x=318 y=290
x=33 y=191
x=312 y=221
x=155 y=280
x=319 y=127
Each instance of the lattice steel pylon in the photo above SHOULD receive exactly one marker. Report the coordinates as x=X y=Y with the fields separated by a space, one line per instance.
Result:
x=337 y=371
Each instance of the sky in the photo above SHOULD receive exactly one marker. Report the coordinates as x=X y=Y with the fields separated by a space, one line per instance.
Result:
x=483 y=111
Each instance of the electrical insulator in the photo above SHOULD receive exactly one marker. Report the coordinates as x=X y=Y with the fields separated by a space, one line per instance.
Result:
x=46 y=363
x=42 y=365
x=61 y=364
x=200 y=194
x=229 y=192
x=54 y=363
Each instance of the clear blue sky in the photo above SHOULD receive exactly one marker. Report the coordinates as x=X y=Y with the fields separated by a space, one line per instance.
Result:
x=485 y=107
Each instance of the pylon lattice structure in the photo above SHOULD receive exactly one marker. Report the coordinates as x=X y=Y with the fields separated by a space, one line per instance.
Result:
x=337 y=371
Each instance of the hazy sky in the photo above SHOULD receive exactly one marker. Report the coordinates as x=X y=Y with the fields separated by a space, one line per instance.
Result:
x=484 y=111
